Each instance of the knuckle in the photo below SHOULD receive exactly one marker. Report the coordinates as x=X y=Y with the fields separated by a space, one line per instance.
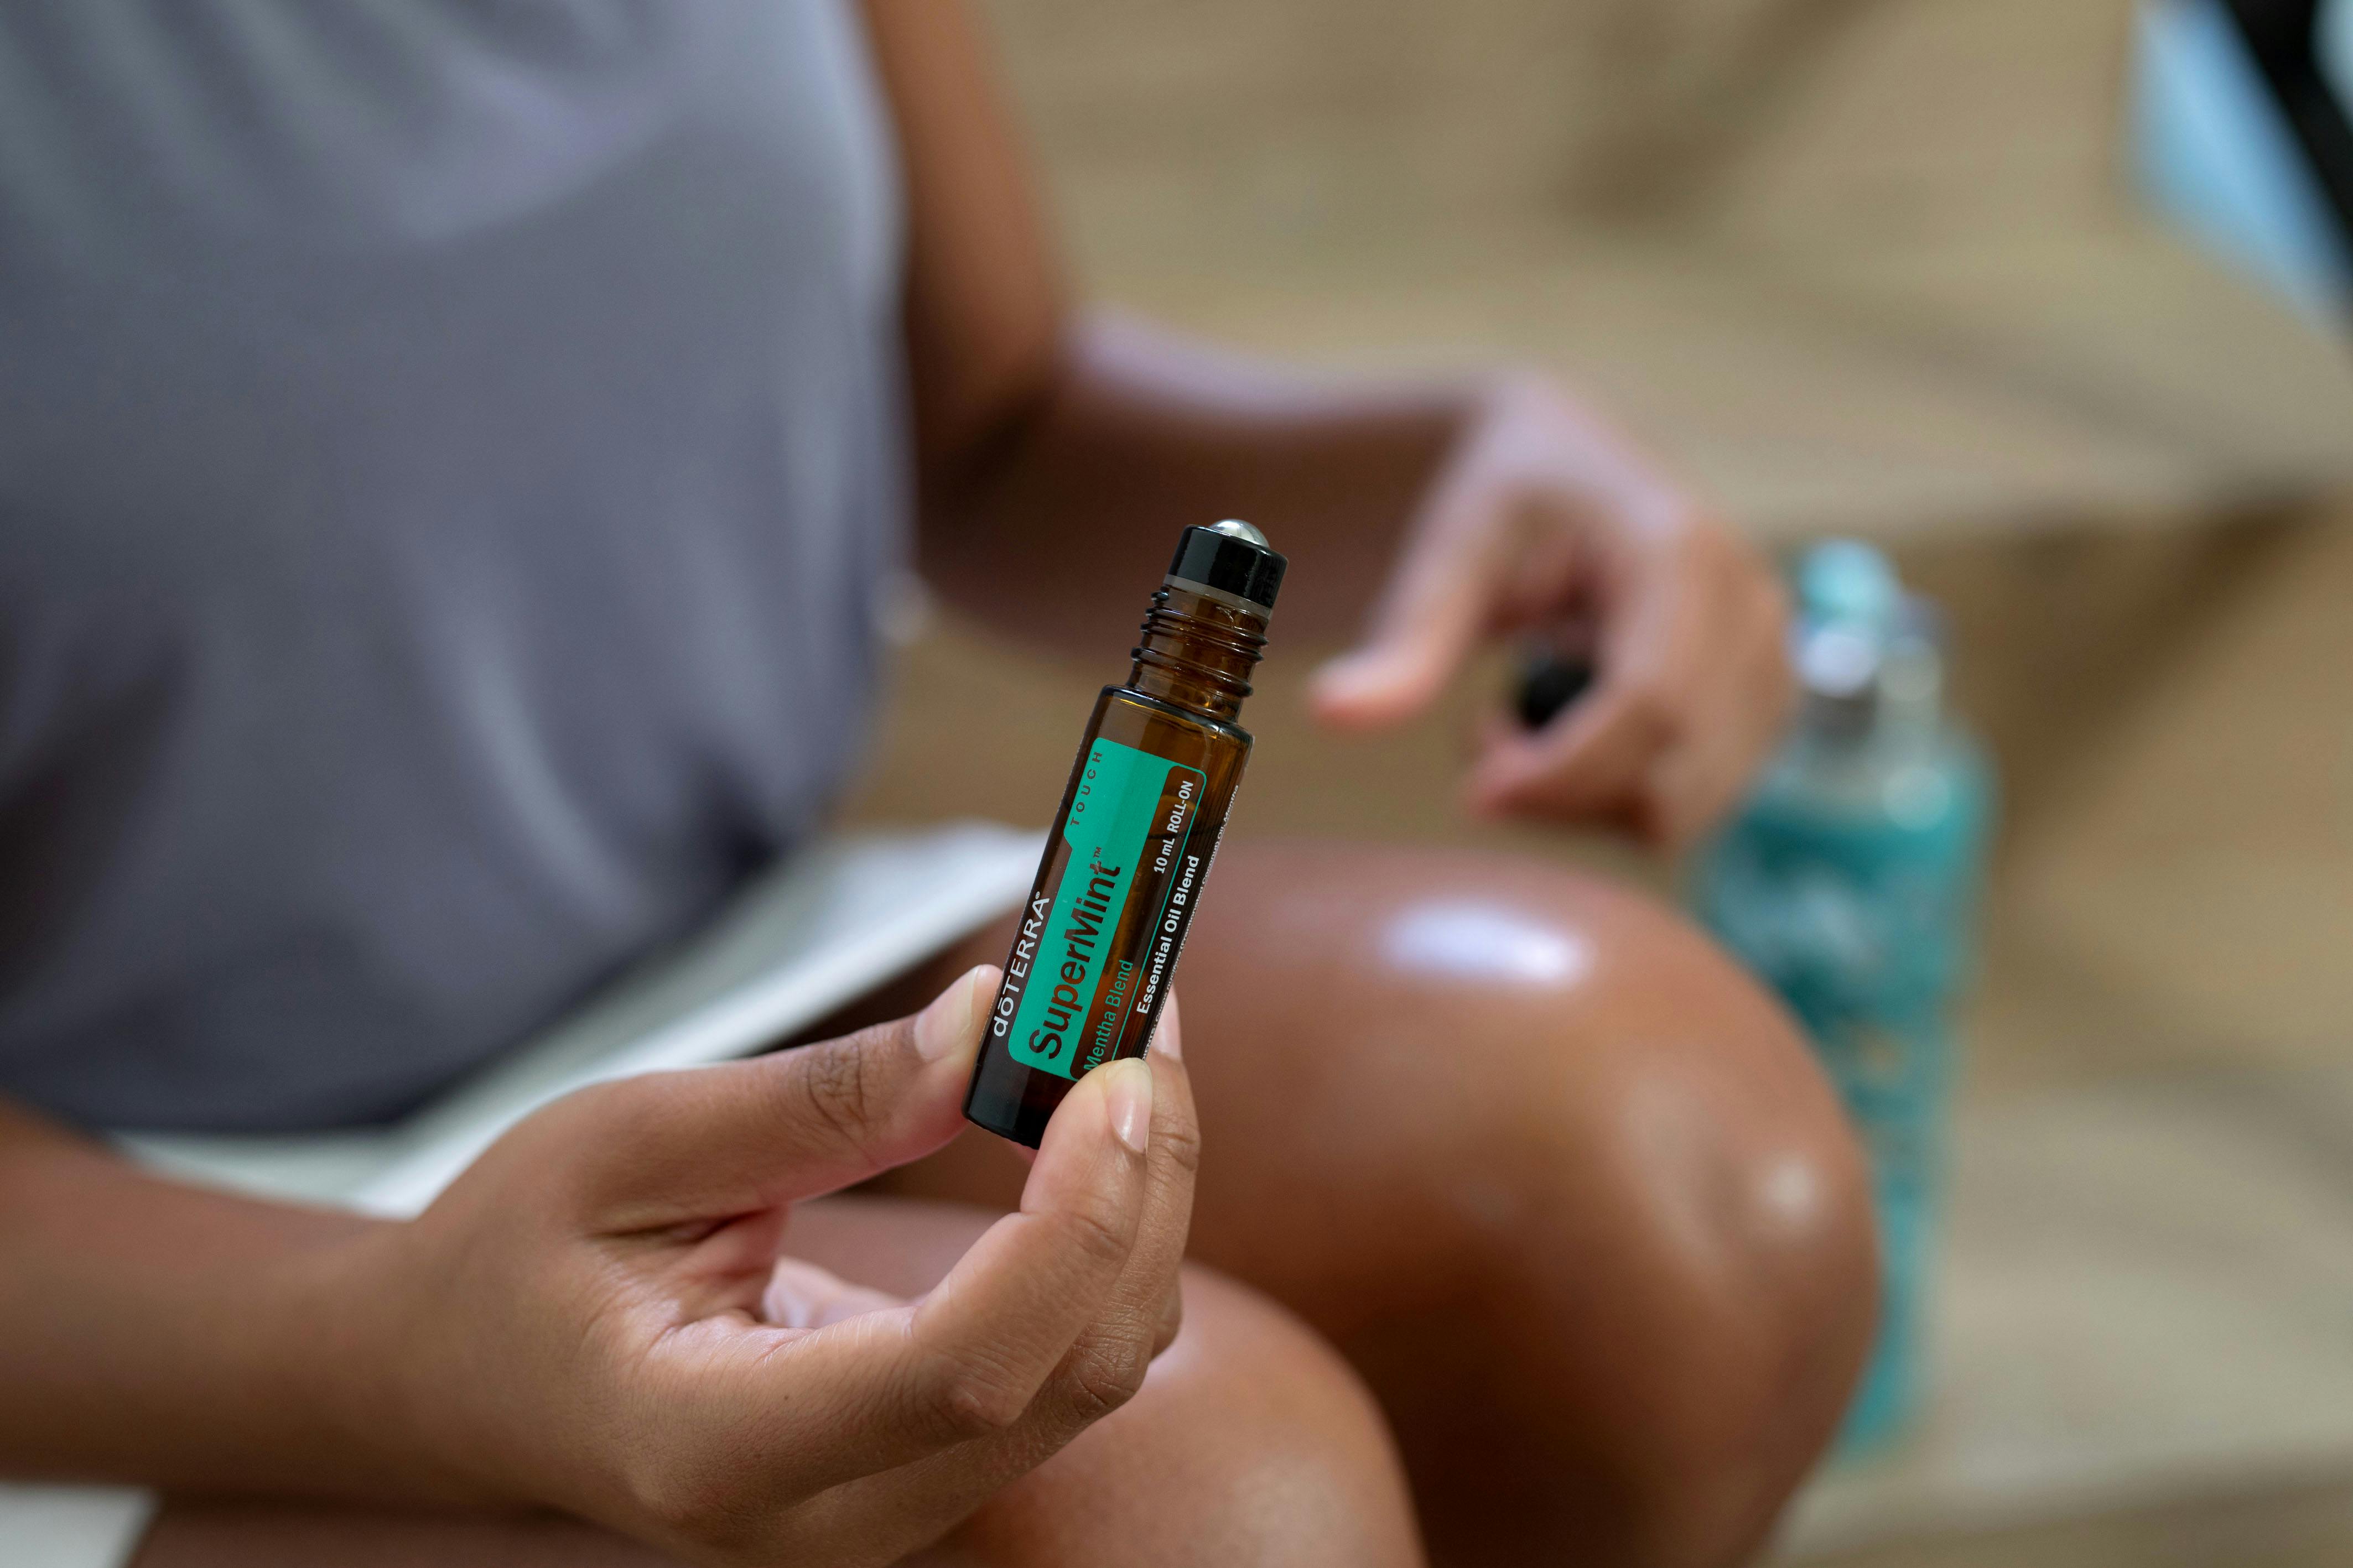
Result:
x=695 y=1502
x=970 y=1400
x=1104 y=1375
x=1096 y=1233
x=1180 y=1140
x=837 y=1089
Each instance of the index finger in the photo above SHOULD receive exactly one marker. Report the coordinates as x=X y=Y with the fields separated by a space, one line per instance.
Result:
x=1431 y=613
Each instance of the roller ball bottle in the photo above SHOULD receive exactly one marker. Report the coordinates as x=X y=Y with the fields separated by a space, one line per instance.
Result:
x=1129 y=848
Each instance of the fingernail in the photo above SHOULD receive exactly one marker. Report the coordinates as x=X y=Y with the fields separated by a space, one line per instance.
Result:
x=1128 y=1096
x=951 y=1023
x=1168 y=1034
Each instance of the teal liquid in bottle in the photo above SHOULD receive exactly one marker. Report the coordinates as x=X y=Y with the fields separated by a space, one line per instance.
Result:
x=1848 y=880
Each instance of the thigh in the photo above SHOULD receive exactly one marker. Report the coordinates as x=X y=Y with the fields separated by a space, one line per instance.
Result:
x=1251 y=1443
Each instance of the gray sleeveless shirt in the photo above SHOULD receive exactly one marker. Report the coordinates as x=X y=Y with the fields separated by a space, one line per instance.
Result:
x=448 y=452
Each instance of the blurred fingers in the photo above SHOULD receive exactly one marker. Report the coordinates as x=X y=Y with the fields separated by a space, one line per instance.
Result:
x=1690 y=694
x=1438 y=603
x=1591 y=761
x=1745 y=713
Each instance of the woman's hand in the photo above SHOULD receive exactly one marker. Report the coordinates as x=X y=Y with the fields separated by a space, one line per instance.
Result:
x=1541 y=517
x=596 y=1316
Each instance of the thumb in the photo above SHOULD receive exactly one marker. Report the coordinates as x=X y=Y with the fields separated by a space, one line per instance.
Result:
x=1437 y=603
x=674 y=1147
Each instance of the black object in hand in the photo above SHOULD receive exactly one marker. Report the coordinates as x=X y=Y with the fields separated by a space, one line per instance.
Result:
x=1550 y=682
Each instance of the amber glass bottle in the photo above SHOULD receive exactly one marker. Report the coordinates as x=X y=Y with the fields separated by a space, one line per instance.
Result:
x=1131 y=844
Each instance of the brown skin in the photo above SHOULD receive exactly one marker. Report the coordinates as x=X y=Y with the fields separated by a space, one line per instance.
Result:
x=1595 y=1234
x=595 y=1317
x=1302 y=1471
x=1603 y=1254
x=1546 y=1169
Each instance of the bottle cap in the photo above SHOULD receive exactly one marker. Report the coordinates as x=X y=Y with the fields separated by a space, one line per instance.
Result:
x=1230 y=562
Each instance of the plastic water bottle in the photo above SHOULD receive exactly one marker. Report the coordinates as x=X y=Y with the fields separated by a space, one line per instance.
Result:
x=1848 y=880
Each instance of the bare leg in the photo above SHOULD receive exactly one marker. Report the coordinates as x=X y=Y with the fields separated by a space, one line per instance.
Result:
x=1251 y=1444
x=1559 y=1180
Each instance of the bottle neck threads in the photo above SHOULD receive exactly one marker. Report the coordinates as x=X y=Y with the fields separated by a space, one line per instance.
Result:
x=1198 y=653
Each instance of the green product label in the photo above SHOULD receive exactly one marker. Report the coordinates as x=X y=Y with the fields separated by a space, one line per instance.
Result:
x=1130 y=818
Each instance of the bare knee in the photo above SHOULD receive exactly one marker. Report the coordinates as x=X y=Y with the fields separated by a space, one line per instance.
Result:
x=1253 y=1443
x=1615 y=1163
x=1681 y=1141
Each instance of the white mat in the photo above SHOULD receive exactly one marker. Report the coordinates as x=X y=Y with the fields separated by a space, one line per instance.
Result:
x=838 y=921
